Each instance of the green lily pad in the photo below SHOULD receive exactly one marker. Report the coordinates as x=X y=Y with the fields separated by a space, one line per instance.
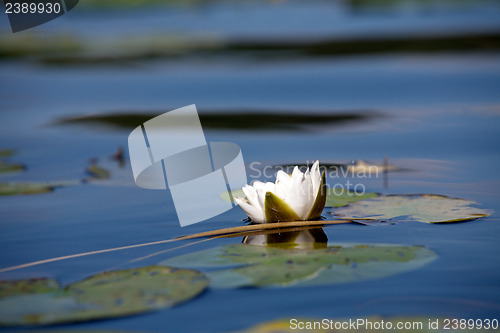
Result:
x=6 y=167
x=6 y=153
x=319 y=325
x=105 y=295
x=429 y=208
x=97 y=172
x=31 y=286
x=12 y=188
x=345 y=198
x=241 y=265
x=11 y=167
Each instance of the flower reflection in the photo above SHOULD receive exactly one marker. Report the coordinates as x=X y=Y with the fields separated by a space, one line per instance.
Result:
x=312 y=238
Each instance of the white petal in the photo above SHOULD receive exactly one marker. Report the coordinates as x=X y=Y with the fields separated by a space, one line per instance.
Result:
x=254 y=213
x=299 y=191
x=315 y=178
x=296 y=173
x=283 y=184
x=269 y=187
x=258 y=184
x=261 y=195
x=309 y=194
x=308 y=186
x=300 y=196
x=252 y=196
x=261 y=189
x=283 y=178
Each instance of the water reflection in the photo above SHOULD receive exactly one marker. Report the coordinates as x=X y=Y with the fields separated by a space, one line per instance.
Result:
x=312 y=238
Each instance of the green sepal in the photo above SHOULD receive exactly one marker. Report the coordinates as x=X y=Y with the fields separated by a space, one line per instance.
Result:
x=319 y=203
x=277 y=210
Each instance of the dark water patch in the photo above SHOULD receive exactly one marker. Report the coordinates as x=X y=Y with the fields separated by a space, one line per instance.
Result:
x=248 y=120
x=360 y=46
x=62 y=50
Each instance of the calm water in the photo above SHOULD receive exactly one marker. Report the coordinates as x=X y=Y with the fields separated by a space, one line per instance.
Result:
x=436 y=114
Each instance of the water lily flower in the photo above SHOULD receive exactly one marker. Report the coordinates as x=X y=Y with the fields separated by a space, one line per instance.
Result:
x=296 y=197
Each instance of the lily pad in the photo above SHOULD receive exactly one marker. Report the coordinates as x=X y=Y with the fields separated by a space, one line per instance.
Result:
x=6 y=167
x=428 y=208
x=345 y=198
x=97 y=172
x=241 y=265
x=6 y=153
x=31 y=286
x=11 y=167
x=12 y=188
x=105 y=295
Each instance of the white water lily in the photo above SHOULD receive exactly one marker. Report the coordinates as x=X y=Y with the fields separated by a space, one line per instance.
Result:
x=296 y=197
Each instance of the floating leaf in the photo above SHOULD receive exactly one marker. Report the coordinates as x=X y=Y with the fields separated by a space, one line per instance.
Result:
x=333 y=199
x=317 y=325
x=137 y=290
x=33 y=187
x=6 y=167
x=11 y=167
x=110 y=294
x=98 y=173
x=241 y=265
x=31 y=286
x=6 y=153
x=427 y=208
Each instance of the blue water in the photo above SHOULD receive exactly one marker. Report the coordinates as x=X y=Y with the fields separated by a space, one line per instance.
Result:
x=436 y=115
